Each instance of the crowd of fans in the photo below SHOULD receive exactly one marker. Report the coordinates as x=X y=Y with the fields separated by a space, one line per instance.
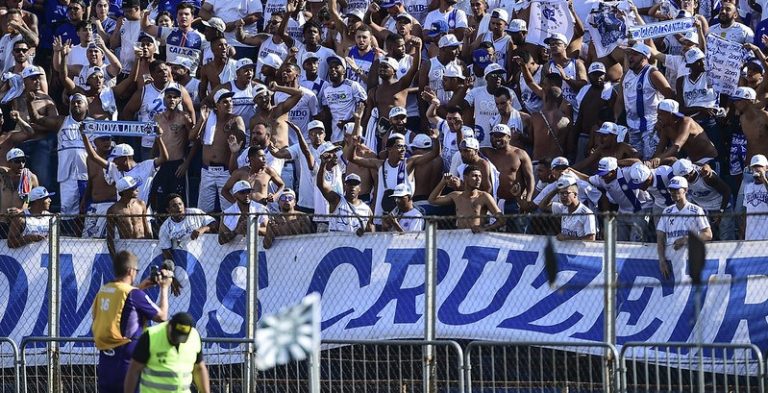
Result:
x=375 y=113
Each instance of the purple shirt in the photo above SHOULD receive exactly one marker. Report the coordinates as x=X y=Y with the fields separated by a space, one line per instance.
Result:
x=138 y=309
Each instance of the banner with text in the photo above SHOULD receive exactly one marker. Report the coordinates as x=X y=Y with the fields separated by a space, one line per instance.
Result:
x=489 y=286
x=548 y=17
x=724 y=61
x=661 y=29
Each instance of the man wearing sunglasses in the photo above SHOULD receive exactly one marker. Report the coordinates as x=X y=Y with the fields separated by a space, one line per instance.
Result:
x=290 y=221
x=577 y=221
x=16 y=181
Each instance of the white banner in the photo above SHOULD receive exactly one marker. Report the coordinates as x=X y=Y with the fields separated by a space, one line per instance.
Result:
x=120 y=128
x=548 y=17
x=490 y=287
x=608 y=23
x=661 y=29
x=724 y=61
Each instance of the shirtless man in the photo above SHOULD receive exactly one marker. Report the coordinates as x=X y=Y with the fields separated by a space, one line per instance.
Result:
x=99 y=195
x=217 y=72
x=471 y=202
x=101 y=98
x=275 y=114
x=176 y=124
x=290 y=222
x=346 y=29
x=594 y=105
x=677 y=133
x=516 y=183
x=428 y=175
x=34 y=98
x=607 y=144
x=127 y=218
x=15 y=183
x=551 y=127
x=754 y=123
x=259 y=175
x=212 y=131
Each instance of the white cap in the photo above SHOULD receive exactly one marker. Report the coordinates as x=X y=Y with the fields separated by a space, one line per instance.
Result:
x=94 y=70
x=77 y=97
x=693 y=55
x=421 y=141
x=271 y=60
x=38 y=193
x=467 y=132
x=401 y=190
x=448 y=40
x=493 y=67
x=31 y=71
x=744 y=93
x=18 y=153
x=221 y=94
x=122 y=150
x=682 y=167
x=241 y=185
x=309 y=55
x=670 y=106
x=216 y=23
x=608 y=128
x=358 y=13
x=692 y=36
x=517 y=25
x=596 y=67
x=677 y=182
x=183 y=61
x=757 y=160
x=501 y=14
x=315 y=124
x=260 y=89
x=352 y=177
x=327 y=147
x=638 y=174
x=641 y=48
x=392 y=63
x=606 y=165
x=397 y=111
x=471 y=143
x=559 y=161
x=244 y=62
x=556 y=37
x=453 y=72
x=126 y=183
x=501 y=129
x=565 y=181
x=287 y=191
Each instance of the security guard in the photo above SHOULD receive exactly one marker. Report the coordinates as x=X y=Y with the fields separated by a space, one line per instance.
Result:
x=168 y=358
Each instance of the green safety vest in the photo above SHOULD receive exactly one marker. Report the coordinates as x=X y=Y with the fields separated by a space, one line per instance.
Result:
x=169 y=369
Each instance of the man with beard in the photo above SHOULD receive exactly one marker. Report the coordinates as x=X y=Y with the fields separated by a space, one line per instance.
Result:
x=127 y=218
x=470 y=202
x=290 y=222
x=101 y=97
x=593 y=106
x=275 y=112
x=728 y=28
x=681 y=134
x=348 y=212
x=519 y=123
x=431 y=74
x=181 y=73
x=360 y=57
x=312 y=39
x=244 y=87
x=341 y=97
x=184 y=225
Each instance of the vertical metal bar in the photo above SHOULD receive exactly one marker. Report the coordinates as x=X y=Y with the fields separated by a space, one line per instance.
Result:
x=252 y=298
x=430 y=278
x=699 y=339
x=609 y=296
x=53 y=301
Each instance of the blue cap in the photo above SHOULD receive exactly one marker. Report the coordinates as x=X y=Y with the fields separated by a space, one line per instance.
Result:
x=390 y=3
x=481 y=57
x=438 y=27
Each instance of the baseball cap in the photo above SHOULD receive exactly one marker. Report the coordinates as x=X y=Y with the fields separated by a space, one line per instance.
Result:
x=596 y=67
x=18 y=153
x=287 y=192
x=744 y=93
x=493 y=67
x=221 y=94
x=130 y=3
x=638 y=174
x=438 y=27
x=641 y=48
x=215 y=23
x=240 y=186
x=670 y=106
x=38 y=193
x=260 y=90
x=31 y=71
x=516 y=26
x=271 y=60
x=757 y=160
x=404 y=16
x=315 y=124
x=608 y=128
x=94 y=70
x=565 y=181
x=390 y=62
x=338 y=59
x=352 y=178
x=677 y=182
x=682 y=167
x=77 y=97
x=244 y=62
x=481 y=57
x=501 y=14
x=421 y=141
x=309 y=56
x=693 y=55
x=181 y=325
x=467 y=132
x=327 y=147
x=691 y=36
x=401 y=190
x=556 y=37
x=471 y=143
x=183 y=61
x=448 y=40
x=390 y=3
x=172 y=89
x=606 y=165
x=122 y=150
x=501 y=129
x=397 y=111
x=559 y=161
x=349 y=128
x=453 y=72
x=126 y=183
x=357 y=13
x=145 y=36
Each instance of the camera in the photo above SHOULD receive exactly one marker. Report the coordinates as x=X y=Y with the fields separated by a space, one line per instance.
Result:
x=155 y=272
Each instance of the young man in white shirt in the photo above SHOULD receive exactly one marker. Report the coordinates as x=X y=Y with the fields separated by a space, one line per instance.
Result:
x=756 y=200
x=405 y=217
x=577 y=221
x=183 y=226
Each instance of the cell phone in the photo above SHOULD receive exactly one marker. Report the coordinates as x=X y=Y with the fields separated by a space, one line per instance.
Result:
x=137 y=46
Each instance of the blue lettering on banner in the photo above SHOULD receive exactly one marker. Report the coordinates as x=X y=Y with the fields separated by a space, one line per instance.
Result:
x=738 y=310
x=332 y=261
x=72 y=312
x=17 y=297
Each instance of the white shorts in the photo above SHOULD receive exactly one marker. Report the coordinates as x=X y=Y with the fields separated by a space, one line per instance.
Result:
x=95 y=225
x=71 y=190
x=212 y=180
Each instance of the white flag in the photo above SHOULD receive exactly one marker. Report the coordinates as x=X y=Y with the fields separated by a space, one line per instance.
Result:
x=608 y=24
x=548 y=17
x=290 y=335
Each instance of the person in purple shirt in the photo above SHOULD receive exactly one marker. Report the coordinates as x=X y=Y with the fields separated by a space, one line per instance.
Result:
x=120 y=313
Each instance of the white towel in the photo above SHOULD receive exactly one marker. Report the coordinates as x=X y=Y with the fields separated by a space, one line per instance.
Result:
x=16 y=84
x=370 y=138
x=210 y=129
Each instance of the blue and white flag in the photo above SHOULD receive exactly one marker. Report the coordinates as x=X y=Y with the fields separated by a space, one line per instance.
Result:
x=608 y=24
x=290 y=335
x=548 y=17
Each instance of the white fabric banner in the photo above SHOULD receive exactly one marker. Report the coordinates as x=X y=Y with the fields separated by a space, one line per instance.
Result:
x=608 y=24
x=490 y=287
x=548 y=17
x=724 y=61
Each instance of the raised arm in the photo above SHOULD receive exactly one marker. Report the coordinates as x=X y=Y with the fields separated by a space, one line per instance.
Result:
x=407 y=80
x=442 y=200
x=95 y=157
x=163 y=157
x=303 y=145
x=325 y=189
x=294 y=95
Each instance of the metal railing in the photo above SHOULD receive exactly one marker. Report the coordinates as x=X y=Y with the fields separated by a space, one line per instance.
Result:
x=12 y=378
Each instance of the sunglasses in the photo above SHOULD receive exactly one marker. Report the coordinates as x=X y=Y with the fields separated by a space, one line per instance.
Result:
x=21 y=50
x=19 y=160
x=287 y=198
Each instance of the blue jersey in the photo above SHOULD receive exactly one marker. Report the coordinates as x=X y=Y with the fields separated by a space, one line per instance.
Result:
x=54 y=15
x=186 y=44
x=364 y=62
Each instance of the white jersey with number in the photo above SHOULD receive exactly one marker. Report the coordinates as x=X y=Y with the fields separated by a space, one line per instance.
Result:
x=676 y=223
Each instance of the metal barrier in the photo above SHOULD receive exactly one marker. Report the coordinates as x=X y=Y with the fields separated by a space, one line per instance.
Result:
x=74 y=369
x=542 y=364
x=13 y=377
x=677 y=366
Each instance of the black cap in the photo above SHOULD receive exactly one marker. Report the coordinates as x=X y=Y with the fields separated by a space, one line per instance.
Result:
x=181 y=325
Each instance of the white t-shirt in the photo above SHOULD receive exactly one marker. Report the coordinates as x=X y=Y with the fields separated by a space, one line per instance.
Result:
x=301 y=114
x=411 y=221
x=676 y=223
x=455 y=18
x=580 y=223
x=485 y=112
x=323 y=53
x=737 y=32
x=177 y=234
x=143 y=172
x=306 y=175
x=230 y=11
x=341 y=101
x=756 y=201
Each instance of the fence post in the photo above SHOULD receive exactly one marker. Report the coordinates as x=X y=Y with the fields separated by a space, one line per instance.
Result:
x=53 y=302
x=430 y=276
x=609 y=293
x=252 y=298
